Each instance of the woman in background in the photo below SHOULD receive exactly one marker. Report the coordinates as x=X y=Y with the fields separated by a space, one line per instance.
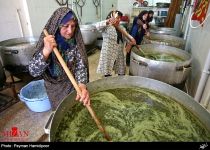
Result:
x=65 y=34
x=112 y=51
x=150 y=18
x=138 y=30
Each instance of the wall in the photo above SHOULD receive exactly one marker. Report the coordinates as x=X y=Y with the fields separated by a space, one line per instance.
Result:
x=199 y=46
x=9 y=26
x=34 y=14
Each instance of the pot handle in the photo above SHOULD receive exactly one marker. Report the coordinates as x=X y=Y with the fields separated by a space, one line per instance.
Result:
x=10 y=51
x=47 y=131
x=139 y=62
x=183 y=68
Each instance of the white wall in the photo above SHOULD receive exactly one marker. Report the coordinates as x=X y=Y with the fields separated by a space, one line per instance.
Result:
x=9 y=26
x=199 y=46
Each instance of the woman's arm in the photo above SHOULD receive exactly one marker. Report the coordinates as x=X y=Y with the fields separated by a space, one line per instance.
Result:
x=139 y=22
x=37 y=65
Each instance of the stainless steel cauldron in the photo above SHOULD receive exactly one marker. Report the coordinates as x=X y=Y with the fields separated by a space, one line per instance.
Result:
x=165 y=40
x=166 y=31
x=2 y=76
x=129 y=81
x=89 y=34
x=16 y=54
x=99 y=34
x=173 y=73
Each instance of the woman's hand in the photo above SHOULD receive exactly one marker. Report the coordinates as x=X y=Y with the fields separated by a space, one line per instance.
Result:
x=144 y=26
x=147 y=33
x=111 y=21
x=128 y=48
x=133 y=41
x=85 y=95
x=49 y=43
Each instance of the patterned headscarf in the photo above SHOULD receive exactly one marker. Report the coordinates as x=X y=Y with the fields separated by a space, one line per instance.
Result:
x=52 y=27
x=114 y=14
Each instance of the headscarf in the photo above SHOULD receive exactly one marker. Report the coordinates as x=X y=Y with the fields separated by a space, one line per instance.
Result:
x=114 y=14
x=148 y=18
x=52 y=27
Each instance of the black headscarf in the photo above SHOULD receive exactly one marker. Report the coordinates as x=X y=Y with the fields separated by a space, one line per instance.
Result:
x=119 y=34
x=148 y=18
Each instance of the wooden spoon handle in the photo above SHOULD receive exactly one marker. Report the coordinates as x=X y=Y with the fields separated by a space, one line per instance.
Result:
x=128 y=38
x=69 y=74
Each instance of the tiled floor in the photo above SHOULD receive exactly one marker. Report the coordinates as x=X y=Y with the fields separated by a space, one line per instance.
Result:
x=27 y=121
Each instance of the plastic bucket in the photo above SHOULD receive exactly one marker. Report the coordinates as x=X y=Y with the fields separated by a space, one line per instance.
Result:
x=35 y=96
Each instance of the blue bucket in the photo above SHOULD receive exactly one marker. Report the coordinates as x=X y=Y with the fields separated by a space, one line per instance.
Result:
x=35 y=96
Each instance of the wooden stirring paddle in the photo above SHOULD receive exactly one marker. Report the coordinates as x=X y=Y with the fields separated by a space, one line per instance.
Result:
x=73 y=81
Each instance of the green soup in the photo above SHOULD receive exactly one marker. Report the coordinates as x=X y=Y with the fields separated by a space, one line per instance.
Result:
x=131 y=115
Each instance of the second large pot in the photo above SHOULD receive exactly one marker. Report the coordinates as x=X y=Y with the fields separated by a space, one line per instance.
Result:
x=99 y=34
x=16 y=53
x=89 y=34
x=173 y=73
x=166 y=31
x=169 y=40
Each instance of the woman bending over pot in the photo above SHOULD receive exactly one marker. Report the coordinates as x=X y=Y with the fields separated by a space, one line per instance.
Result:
x=138 y=31
x=65 y=34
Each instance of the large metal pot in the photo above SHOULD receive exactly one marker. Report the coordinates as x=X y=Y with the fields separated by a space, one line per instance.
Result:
x=2 y=76
x=125 y=82
x=16 y=53
x=89 y=34
x=169 y=40
x=166 y=31
x=173 y=73
x=99 y=34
